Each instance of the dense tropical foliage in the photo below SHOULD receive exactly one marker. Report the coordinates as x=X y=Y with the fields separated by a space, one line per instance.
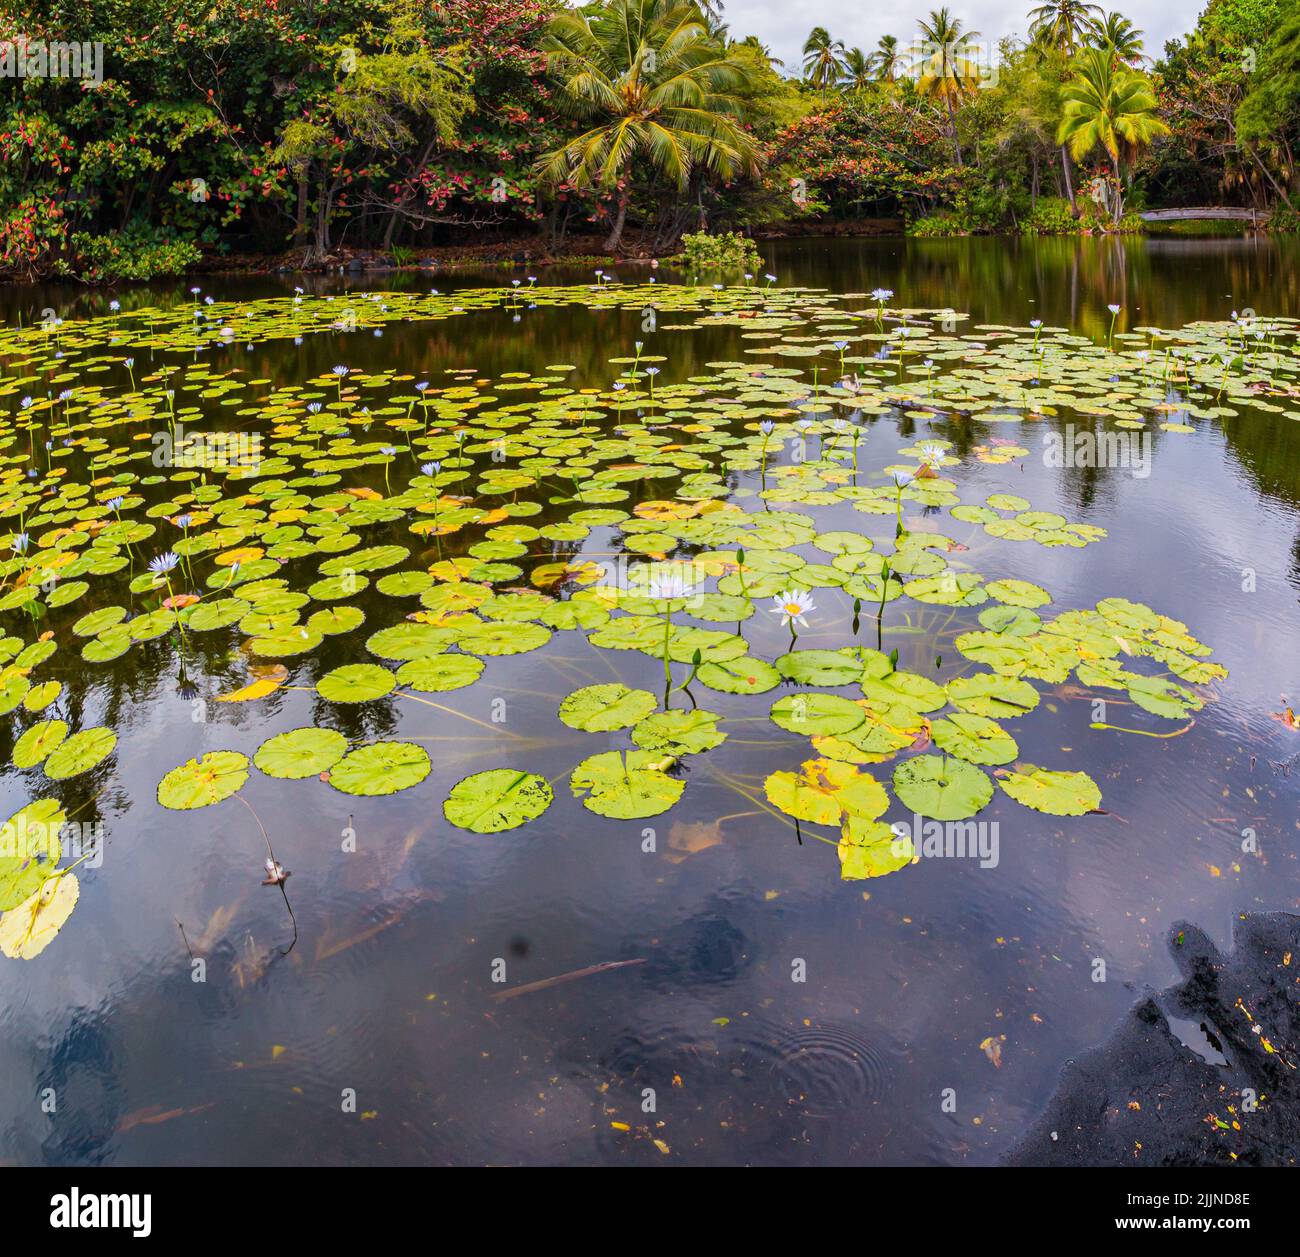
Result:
x=270 y=126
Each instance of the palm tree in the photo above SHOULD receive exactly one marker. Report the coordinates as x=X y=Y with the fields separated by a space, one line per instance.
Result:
x=943 y=65
x=823 y=56
x=654 y=86
x=857 y=70
x=1063 y=23
x=887 y=61
x=1108 y=106
x=1117 y=32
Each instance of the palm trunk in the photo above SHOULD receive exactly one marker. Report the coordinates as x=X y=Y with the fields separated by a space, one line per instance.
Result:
x=1118 y=210
x=615 y=236
x=1069 y=183
x=952 y=127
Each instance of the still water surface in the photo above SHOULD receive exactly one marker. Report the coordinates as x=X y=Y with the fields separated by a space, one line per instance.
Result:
x=388 y=991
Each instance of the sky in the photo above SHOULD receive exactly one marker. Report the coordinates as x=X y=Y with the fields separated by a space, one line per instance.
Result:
x=784 y=24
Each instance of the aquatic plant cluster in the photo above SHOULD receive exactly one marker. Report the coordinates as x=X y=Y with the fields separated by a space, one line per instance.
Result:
x=484 y=514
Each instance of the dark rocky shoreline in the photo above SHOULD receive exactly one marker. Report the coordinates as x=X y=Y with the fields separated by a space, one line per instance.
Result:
x=1148 y=1098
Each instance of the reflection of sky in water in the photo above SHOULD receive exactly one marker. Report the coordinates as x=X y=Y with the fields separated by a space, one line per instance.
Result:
x=388 y=988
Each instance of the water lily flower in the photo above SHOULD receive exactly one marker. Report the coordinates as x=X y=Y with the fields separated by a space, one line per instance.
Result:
x=881 y=295
x=164 y=562
x=431 y=469
x=903 y=478
x=1114 y=309
x=341 y=371
x=793 y=605
x=421 y=386
x=183 y=521
x=669 y=586
x=20 y=542
x=115 y=306
x=114 y=504
x=932 y=455
x=767 y=427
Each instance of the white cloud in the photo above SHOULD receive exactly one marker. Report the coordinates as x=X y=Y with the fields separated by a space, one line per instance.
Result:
x=784 y=26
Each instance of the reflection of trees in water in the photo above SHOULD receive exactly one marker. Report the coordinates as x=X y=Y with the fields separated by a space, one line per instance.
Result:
x=1267 y=449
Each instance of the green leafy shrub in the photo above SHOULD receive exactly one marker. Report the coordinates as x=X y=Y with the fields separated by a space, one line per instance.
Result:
x=1051 y=216
x=106 y=259
x=1284 y=220
x=725 y=251
x=932 y=226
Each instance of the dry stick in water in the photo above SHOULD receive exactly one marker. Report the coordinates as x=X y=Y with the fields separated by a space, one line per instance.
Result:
x=529 y=987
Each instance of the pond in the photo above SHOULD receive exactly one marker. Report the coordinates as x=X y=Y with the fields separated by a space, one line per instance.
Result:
x=979 y=607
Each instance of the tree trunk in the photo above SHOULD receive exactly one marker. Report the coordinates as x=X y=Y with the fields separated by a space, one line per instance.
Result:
x=952 y=127
x=1069 y=183
x=1118 y=210
x=300 y=219
x=615 y=236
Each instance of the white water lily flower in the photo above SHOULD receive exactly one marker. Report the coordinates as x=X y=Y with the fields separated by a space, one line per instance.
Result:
x=793 y=604
x=670 y=586
x=903 y=478
x=932 y=455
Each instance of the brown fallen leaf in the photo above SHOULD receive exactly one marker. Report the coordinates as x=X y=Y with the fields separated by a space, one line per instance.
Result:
x=992 y=1048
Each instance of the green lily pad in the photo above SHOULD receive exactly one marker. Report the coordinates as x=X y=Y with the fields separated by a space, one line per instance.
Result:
x=988 y=694
x=499 y=799
x=38 y=742
x=824 y=791
x=819 y=667
x=380 y=768
x=1046 y=790
x=356 y=683
x=604 y=708
x=976 y=739
x=79 y=753
x=300 y=753
x=679 y=732
x=435 y=674
x=871 y=849
x=941 y=787
x=744 y=675
x=625 y=785
x=29 y=850
x=202 y=782
x=817 y=713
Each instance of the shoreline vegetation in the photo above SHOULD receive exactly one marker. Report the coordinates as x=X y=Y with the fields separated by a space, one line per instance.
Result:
x=261 y=136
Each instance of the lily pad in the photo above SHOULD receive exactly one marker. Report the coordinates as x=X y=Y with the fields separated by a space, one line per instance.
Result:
x=202 y=782
x=626 y=785
x=499 y=799
x=604 y=708
x=1046 y=790
x=356 y=683
x=79 y=753
x=381 y=768
x=300 y=753
x=941 y=787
